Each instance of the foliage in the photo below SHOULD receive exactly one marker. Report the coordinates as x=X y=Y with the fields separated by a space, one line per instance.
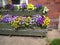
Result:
x=55 y=42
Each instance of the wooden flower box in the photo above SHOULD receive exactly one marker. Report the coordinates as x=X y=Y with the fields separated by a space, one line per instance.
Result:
x=6 y=29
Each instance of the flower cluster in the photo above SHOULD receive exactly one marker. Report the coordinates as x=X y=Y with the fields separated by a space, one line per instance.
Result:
x=37 y=7
x=25 y=21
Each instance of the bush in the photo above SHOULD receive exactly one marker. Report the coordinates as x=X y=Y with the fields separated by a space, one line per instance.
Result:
x=55 y=42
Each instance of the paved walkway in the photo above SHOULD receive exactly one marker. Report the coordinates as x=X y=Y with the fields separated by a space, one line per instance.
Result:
x=53 y=34
x=18 y=40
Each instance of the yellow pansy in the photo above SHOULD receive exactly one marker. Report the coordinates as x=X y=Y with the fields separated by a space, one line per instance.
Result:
x=30 y=6
x=0 y=17
x=27 y=19
x=46 y=21
x=14 y=24
x=17 y=19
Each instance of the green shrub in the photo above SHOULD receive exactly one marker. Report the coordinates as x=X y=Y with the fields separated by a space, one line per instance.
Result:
x=55 y=42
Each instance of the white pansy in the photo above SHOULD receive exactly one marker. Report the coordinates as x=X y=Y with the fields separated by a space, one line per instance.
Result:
x=45 y=9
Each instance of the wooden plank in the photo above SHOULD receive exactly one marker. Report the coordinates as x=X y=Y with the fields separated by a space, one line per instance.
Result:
x=24 y=32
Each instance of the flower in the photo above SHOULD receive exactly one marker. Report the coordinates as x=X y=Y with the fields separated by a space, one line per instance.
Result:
x=27 y=19
x=14 y=24
x=32 y=21
x=6 y=18
x=17 y=19
x=12 y=6
x=13 y=18
x=45 y=9
x=40 y=20
x=38 y=5
x=30 y=7
x=46 y=21
x=23 y=5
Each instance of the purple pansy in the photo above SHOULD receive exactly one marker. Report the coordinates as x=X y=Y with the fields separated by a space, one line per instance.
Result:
x=6 y=18
x=13 y=17
x=23 y=5
x=12 y=6
x=38 y=5
x=40 y=20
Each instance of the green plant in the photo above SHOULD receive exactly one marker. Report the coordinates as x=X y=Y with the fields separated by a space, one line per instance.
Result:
x=55 y=42
x=48 y=40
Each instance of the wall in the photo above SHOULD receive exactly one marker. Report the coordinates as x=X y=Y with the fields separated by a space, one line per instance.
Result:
x=53 y=5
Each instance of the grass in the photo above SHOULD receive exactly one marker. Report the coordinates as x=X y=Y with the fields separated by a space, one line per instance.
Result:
x=55 y=42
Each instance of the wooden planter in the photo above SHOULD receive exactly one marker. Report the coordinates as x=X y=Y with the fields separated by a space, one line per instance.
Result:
x=6 y=29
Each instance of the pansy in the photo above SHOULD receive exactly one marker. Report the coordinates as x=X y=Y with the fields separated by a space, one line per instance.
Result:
x=14 y=24
x=12 y=6
x=32 y=21
x=23 y=5
x=13 y=18
x=38 y=5
x=46 y=21
x=40 y=20
x=6 y=18
x=17 y=19
x=27 y=19
x=30 y=7
x=45 y=9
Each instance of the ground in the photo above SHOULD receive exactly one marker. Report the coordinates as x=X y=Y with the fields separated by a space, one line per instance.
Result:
x=19 y=40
